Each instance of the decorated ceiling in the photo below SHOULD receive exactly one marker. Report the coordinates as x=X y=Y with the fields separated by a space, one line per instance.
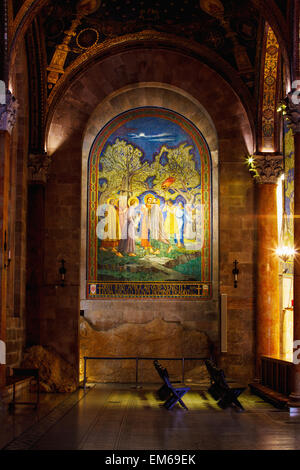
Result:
x=74 y=27
x=67 y=32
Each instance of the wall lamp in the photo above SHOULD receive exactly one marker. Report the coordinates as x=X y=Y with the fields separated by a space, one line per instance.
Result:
x=235 y=273
x=62 y=272
x=6 y=265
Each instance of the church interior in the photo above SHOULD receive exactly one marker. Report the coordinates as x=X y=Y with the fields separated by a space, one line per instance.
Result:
x=149 y=154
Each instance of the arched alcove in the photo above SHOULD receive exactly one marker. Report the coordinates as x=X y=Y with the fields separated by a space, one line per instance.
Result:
x=116 y=84
x=107 y=314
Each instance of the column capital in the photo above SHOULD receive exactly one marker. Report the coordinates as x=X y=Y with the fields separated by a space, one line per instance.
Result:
x=292 y=111
x=8 y=113
x=38 y=166
x=268 y=167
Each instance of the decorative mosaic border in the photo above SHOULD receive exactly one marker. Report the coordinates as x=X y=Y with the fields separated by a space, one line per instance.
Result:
x=186 y=290
x=270 y=76
x=168 y=289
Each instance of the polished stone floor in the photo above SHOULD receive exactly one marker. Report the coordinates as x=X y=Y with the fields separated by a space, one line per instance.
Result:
x=122 y=417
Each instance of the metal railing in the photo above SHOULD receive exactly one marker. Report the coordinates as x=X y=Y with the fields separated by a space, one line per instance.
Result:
x=137 y=359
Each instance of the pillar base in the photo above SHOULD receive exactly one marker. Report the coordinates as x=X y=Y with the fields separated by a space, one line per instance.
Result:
x=294 y=403
x=2 y=375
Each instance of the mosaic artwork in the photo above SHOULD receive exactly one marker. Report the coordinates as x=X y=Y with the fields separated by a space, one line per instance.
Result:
x=289 y=188
x=270 y=89
x=149 y=208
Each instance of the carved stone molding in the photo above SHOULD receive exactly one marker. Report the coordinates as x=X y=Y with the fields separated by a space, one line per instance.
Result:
x=269 y=168
x=38 y=166
x=8 y=113
x=292 y=111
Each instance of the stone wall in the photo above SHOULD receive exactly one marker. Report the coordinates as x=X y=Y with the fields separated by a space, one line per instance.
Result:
x=137 y=339
x=16 y=292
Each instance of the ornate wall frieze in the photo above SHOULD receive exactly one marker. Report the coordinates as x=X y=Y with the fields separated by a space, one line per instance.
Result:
x=269 y=91
x=57 y=65
x=38 y=166
x=8 y=113
x=269 y=168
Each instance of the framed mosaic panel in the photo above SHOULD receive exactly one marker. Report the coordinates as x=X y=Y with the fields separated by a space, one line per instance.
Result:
x=149 y=227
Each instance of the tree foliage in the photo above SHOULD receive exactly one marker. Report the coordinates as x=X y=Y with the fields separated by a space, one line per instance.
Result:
x=178 y=166
x=124 y=168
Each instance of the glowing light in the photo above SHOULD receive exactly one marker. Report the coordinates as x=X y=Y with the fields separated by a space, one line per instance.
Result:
x=250 y=160
x=285 y=252
x=280 y=209
x=282 y=108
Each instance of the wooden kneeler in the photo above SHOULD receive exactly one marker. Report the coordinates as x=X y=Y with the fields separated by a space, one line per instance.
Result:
x=221 y=390
x=173 y=393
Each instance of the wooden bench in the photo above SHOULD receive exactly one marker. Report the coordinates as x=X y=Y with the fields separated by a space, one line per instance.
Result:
x=19 y=375
x=168 y=392
x=221 y=390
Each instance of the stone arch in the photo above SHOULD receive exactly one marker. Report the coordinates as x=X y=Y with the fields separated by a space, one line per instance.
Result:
x=150 y=40
x=140 y=66
x=141 y=95
x=165 y=77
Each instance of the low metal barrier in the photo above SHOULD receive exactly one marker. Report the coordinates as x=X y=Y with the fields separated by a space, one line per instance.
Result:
x=276 y=374
x=137 y=359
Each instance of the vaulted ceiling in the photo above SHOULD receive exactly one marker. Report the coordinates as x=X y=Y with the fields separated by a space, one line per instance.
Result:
x=229 y=31
x=226 y=34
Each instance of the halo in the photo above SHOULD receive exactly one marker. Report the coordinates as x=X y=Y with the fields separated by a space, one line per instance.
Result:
x=133 y=198
x=110 y=199
x=147 y=197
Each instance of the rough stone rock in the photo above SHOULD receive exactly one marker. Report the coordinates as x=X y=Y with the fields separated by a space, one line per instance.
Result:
x=198 y=375
x=56 y=374
x=156 y=338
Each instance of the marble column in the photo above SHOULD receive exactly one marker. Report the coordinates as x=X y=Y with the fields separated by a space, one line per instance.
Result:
x=293 y=117
x=269 y=168
x=8 y=112
x=38 y=166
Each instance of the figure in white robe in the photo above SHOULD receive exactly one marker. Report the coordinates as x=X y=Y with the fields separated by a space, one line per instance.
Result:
x=122 y=209
x=189 y=223
x=170 y=223
x=180 y=222
x=110 y=228
x=157 y=231
x=101 y=210
x=199 y=225
x=190 y=227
